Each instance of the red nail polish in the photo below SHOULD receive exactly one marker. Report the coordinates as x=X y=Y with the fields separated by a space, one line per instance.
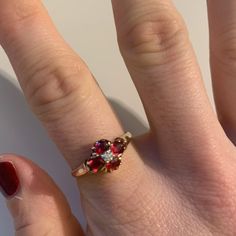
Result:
x=9 y=181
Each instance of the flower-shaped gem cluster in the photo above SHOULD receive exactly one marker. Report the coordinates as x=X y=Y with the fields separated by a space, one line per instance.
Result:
x=106 y=155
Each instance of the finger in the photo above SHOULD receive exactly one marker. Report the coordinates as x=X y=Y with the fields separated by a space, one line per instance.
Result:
x=56 y=82
x=36 y=204
x=155 y=45
x=222 y=21
x=66 y=98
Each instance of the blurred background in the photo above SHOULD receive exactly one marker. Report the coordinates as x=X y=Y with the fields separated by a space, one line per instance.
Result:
x=88 y=27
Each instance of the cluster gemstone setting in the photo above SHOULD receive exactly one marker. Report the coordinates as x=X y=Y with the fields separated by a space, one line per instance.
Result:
x=106 y=155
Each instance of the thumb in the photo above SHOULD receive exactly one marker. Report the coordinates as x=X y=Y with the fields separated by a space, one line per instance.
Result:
x=36 y=204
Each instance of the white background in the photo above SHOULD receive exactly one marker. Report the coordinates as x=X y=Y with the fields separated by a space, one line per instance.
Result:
x=88 y=27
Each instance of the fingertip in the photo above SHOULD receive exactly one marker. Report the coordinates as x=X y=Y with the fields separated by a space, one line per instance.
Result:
x=23 y=169
x=9 y=181
x=36 y=204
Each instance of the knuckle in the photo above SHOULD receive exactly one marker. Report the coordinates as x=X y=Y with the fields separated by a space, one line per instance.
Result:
x=27 y=10
x=154 y=42
x=211 y=193
x=13 y=16
x=228 y=52
x=223 y=47
x=53 y=88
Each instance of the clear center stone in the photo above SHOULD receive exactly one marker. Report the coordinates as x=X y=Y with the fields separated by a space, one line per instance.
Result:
x=107 y=156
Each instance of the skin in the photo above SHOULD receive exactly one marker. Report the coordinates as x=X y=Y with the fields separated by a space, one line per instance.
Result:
x=177 y=179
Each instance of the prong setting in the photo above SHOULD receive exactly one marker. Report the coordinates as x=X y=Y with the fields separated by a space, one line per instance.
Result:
x=106 y=156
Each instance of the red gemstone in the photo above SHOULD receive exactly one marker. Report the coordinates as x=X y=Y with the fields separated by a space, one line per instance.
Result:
x=118 y=146
x=95 y=164
x=101 y=146
x=113 y=165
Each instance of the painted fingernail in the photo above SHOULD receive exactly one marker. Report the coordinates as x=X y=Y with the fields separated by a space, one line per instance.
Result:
x=9 y=182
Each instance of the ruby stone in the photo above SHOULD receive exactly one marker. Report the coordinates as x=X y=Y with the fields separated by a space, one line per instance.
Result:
x=101 y=146
x=95 y=164
x=118 y=146
x=113 y=165
x=105 y=151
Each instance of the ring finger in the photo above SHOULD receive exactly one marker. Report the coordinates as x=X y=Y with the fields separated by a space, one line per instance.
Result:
x=62 y=93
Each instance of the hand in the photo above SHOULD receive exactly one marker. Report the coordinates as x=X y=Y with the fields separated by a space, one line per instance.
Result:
x=179 y=178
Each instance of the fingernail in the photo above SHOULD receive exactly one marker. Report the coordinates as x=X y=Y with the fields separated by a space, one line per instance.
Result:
x=9 y=181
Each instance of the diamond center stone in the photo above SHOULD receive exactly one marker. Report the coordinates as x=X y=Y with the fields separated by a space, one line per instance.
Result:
x=107 y=156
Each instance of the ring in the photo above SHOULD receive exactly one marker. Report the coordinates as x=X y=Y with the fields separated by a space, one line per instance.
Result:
x=106 y=156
